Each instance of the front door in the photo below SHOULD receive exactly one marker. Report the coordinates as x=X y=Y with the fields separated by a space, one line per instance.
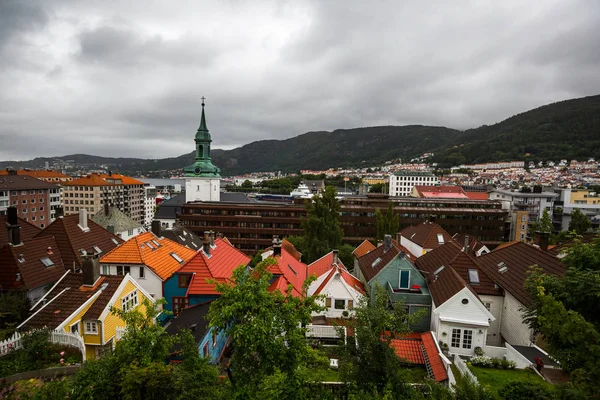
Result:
x=461 y=341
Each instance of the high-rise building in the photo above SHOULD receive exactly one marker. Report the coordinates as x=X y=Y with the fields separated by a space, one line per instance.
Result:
x=402 y=182
x=91 y=192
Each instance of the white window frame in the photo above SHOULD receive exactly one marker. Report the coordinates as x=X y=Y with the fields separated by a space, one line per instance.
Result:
x=91 y=327
x=130 y=301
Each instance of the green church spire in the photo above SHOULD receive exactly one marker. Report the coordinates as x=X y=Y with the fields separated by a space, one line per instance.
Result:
x=202 y=166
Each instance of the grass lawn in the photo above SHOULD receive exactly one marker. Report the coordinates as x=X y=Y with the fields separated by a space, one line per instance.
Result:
x=496 y=378
x=416 y=374
x=325 y=374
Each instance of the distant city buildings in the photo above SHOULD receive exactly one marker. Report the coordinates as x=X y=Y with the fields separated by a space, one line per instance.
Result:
x=402 y=182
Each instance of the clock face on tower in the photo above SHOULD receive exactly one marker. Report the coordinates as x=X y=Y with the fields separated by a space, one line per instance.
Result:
x=197 y=170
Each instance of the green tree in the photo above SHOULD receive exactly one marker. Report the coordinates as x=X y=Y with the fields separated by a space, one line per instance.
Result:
x=322 y=231
x=345 y=255
x=579 y=222
x=267 y=333
x=14 y=309
x=377 y=188
x=372 y=363
x=520 y=390
x=247 y=184
x=388 y=223
x=545 y=224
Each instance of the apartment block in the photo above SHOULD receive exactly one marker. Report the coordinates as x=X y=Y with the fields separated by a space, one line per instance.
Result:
x=403 y=182
x=91 y=192
x=35 y=200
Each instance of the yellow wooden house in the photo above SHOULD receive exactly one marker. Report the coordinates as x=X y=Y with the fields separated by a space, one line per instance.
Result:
x=80 y=303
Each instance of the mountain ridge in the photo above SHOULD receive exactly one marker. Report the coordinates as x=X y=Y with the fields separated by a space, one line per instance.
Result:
x=565 y=129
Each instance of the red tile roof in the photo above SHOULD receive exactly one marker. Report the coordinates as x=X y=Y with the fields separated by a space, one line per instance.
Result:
x=28 y=230
x=323 y=265
x=70 y=238
x=363 y=249
x=142 y=250
x=224 y=258
x=426 y=235
x=420 y=349
x=289 y=247
x=68 y=295
x=350 y=280
x=433 y=354
x=38 y=173
x=26 y=260
x=292 y=270
x=517 y=258
x=477 y=195
x=96 y=179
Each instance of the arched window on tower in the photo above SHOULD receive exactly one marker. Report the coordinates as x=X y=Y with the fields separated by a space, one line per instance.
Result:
x=201 y=150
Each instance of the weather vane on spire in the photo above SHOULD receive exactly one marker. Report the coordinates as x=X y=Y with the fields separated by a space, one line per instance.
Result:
x=203 y=98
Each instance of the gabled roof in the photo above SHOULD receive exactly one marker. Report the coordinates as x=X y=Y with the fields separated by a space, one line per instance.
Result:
x=426 y=235
x=363 y=249
x=70 y=238
x=368 y=264
x=324 y=264
x=346 y=276
x=96 y=179
x=450 y=255
x=224 y=258
x=168 y=209
x=293 y=271
x=70 y=294
x=28 y=230
x=115 y=218
x=289 y=247
x=509 y=267
x=39 y=173
x=161 y=258
x=26 y=260
x=183 y=236
x=442 y=280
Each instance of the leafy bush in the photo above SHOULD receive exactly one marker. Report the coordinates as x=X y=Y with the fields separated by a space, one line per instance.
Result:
x=521 y=390
x=504 y=363
x=479 y=351
x=496 y=362
x=481 y=361
x=487 y=362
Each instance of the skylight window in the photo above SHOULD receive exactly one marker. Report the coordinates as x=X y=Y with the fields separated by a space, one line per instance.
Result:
x=440 y=237
x=97 y=249
x=440 y=269
x=176 y=257
x=114 y=240
x=47 y=262
x=150 y=245
x=474 y=276
x=290 y=267
x=376 y=262
x=155 y=242
x=502 y=267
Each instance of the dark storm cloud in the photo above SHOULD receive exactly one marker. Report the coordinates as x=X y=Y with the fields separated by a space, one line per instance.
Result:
x=125 y=78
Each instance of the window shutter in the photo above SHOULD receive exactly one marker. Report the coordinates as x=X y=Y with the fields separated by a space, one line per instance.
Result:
x=328 y=302
x=350 y=304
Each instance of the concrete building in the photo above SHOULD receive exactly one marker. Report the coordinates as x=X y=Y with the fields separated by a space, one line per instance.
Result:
x=91 y=192
x=36 y=200
x=585 y=200
x=402 y=182
x=116 y=221
x=150 y=193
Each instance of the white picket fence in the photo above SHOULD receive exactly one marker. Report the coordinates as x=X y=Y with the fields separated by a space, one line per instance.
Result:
x=324 y=331
x=59 y=337
x=462 y=367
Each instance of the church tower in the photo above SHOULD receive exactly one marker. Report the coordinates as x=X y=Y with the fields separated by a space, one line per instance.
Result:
x=202 y=179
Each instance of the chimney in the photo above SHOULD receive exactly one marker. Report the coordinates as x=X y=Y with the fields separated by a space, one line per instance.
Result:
x=83 y=219
x=432 y=219
x=211 y=237
x=91 y=269
x=156 y=228
x=387 y=242
x=206 y=243
x=59 y=212
x=336 y=257
x=111 y=229
x=379 y=243
x=542 y=239
x=276 y=246
x=11 y=171
x=106 y=208
x=466 y=245
x=12 y=224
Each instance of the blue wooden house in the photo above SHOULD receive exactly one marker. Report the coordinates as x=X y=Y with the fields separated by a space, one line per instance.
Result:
x=390 y=267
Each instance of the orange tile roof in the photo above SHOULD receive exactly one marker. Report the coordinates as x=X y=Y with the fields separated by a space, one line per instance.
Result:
x=142 y=250
x=38 y=173
x=409 y=349
x=363 y=249
x=412 y=347
x=350 y=280
x=477 y=195
x=323 y=265
x=289 y=247
x=507 y=244
x=96 y=179
x=433 y=355
x=224 y=258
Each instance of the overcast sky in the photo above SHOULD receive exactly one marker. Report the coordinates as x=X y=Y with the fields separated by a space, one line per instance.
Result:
x=125 y=78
